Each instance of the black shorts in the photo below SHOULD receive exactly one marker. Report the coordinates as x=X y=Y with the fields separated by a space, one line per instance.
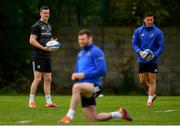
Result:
x=41 y=64
x=148 y=67
x=85 y=102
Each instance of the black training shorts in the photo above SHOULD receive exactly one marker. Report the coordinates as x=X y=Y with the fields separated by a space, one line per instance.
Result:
x=41 y=64
x=148 y=67
x=85 y=102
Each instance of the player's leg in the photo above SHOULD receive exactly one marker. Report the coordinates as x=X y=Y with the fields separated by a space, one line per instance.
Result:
x=152 y=83
x=91 y=115
x=76 y=93
x=85 y=94
x=77 y=90
x=47 y=89
x=37 y=68
x=47 y=86
x=152 y=88
x=34 y=85
x=47 y=75
x=152 y=69
x=143 y=78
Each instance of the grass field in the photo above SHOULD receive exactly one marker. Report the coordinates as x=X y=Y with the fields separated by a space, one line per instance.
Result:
x=14 y=110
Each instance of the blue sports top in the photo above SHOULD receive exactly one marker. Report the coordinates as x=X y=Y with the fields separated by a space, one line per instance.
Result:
x=148 y=38
x=91 y=61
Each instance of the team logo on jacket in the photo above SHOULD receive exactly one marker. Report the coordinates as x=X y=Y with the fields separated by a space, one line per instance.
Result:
x=142 y=35
x=49 y=27
x=101 y=58
x=152 y=35
x=88 y=53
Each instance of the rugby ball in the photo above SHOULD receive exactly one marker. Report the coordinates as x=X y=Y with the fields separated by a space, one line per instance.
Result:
x=147 y=53
x=53 y=44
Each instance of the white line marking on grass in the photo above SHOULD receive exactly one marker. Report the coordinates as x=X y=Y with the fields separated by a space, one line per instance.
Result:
x=170 y=110
x=24 y=121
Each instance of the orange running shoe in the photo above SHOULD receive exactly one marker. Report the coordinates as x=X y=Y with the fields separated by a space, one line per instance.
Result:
x=65 y=120
x=32 y=105
x=125 y=114
x=53 y=105
x=149 y=104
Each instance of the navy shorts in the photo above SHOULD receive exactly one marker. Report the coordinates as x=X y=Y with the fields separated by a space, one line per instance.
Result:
x=85 y=102
x=41 y=64
x=148 y=67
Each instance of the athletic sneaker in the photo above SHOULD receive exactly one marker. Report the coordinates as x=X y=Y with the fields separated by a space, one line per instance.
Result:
x=65 y=120
x=150 y=104
x=51 y=105
x=32 y=105
x=125 y=114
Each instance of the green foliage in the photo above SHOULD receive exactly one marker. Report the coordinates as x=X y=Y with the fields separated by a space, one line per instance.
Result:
x=15 y=50
x=130 y=12
x=79 y=13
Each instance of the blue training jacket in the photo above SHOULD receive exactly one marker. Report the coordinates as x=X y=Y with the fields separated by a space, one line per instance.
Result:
x=148 y=38
x=91 y=61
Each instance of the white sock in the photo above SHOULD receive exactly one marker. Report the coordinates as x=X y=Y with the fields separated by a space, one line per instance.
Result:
x=116 y=114
x=150 y=98
x=48 y=99
x=31 y=98
x=70 y=113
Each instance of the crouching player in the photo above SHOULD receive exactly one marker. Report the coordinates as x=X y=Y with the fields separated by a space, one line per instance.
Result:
x=90 y=68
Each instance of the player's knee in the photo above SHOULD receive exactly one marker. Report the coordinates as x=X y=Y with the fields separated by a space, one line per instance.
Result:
x=76 y=88
x=38 y=79
x=143 y=81
x=48 y=79
x=152 y=81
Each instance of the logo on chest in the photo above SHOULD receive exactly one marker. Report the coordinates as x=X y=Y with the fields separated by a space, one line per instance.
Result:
x=42 y=28
x=142 y=35
x=45 y=28
x=88 y=53
x=151 y=35
x=82 y=54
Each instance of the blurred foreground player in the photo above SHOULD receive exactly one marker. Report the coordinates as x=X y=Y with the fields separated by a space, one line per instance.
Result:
x=90 y=67
x=41 y=33
x=148 y=36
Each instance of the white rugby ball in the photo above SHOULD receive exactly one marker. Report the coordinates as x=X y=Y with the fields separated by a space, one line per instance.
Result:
x=147 y=53
x=53 y=44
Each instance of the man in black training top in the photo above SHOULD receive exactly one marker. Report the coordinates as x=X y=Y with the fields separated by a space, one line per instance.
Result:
x=41 y=33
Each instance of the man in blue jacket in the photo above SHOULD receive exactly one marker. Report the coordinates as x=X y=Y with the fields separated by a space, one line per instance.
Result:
x=148 y=36
x=90 y=67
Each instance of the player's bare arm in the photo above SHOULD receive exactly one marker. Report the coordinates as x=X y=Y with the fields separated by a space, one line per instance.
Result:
x=34 y=42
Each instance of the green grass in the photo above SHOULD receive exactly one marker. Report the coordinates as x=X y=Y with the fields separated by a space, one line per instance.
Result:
x=14 y=110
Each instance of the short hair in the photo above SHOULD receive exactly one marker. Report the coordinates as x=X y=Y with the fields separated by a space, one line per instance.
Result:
x=148 y=14
x=44 y=8
x=85 y=31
